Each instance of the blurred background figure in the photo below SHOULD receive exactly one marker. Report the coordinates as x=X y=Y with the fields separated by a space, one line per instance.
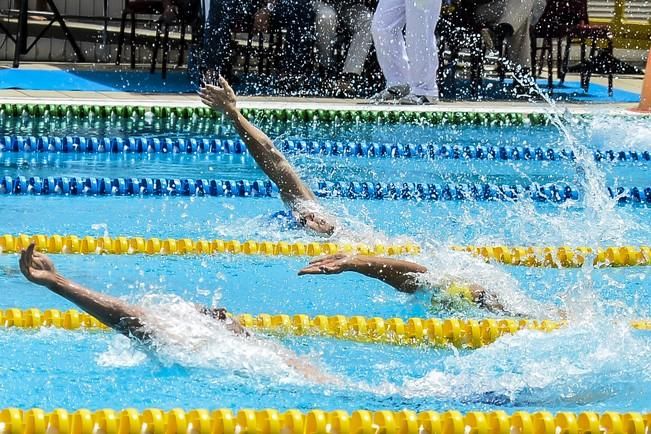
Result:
x=297 y=17
x=332 y=18
x=512 y=21
x=214 y=52
x=409 y=61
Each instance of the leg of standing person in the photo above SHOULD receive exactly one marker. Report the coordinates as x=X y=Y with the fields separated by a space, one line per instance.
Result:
x=297 y=17
x=325 y=24
x=519 y=15
x=215 y=51
x=358 y=18
x=387 y=26
x=422 y=16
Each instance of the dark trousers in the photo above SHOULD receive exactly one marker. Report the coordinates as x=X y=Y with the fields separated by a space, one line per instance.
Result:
x=297 y=17
x=215 y=51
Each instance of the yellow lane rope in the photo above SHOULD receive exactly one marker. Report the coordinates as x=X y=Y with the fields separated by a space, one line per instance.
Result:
x=69 y=244
x=556 y=257
x=271 y=421
x=414 y=331
x=562 y=257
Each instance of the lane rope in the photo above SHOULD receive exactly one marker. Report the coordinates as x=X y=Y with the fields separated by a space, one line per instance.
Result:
x=288 y=114
x=562 y=257
x=461 y=333
x=94 y=186
x=98 y=186
x=528 y=256
x=272 y=421
x=139 y=144
x=71 y=244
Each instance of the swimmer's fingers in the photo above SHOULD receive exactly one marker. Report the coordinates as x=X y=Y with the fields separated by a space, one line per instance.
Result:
x=224 y=84
x=327 y=258
x=321 y=269
x=207 y=102
x=207 y=94
x=313 y=269
x=25 y=261
x=308 y=270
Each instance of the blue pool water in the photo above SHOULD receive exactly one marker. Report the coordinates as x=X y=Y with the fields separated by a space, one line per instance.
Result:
x=597 y=363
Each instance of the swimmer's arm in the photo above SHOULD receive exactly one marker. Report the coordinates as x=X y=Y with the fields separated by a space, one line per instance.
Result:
x=395 y=272
x=111 y=311
x=304 y=367
x=269 y=158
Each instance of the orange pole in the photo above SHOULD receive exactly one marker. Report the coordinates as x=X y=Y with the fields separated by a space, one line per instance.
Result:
x=645 y=95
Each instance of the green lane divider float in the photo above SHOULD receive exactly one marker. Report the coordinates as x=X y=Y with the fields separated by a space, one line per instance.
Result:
x=300 y=115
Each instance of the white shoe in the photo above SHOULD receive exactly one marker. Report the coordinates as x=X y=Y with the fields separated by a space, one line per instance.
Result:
x=391 y=93
x=413 y=99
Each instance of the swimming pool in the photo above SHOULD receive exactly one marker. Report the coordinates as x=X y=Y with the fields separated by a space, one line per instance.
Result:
x=597 y=363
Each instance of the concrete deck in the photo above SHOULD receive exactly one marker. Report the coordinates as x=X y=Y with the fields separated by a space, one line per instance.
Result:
x=631 y=84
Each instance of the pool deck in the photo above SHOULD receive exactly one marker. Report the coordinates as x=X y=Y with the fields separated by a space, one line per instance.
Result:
x=631 y=84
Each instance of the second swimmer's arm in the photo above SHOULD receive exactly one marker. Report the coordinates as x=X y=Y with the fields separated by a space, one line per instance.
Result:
x=395 y=272
x=112 y=311
x=261 y=147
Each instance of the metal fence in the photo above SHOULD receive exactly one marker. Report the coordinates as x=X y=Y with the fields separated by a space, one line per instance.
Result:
x=90 y=33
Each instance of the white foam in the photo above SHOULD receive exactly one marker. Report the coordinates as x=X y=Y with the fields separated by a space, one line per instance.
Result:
x=571 y=365
x=183 y=336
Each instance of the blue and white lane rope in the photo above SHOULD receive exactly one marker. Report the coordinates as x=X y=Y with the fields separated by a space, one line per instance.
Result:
x=79 y=186
x=76 y=144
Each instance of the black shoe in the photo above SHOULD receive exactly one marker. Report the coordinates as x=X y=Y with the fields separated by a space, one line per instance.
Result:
x=351 y=86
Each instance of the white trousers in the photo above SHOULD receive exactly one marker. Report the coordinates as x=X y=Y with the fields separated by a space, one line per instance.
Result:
x=355 y=18
x=413 y=58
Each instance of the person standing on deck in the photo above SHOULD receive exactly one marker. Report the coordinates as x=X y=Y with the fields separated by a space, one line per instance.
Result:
x=409 y=61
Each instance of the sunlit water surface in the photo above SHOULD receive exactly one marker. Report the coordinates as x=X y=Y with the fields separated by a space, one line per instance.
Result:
x=596 y=363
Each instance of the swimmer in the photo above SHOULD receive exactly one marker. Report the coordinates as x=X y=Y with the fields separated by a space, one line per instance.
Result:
x=297 y=196
x=403 y=275
x=128 y=319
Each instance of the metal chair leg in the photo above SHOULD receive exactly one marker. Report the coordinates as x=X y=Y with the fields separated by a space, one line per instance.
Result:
x=534 y=51
x=261 y=53
x=566 y=60
x=593 y=49
x=247 y=53
x=611 y=67
x=540 y=63
x=179 y=61
x=166 y=50
x=133 y=41
x=154 y=51
x=123 y=23
x=550 y=65
x=583 y=63
x=559 y=57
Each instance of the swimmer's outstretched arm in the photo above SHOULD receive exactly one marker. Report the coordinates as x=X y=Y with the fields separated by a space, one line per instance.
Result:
x=293 y=191
x=113 y=312
x=395 y=272
x=221 y=97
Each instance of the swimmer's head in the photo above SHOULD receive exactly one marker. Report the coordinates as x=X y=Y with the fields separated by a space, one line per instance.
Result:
x=218 y=313
x=319 y=223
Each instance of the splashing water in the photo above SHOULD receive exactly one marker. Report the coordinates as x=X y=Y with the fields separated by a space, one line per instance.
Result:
x=601 y=223
x=447 y=267
x=183 y=336
x=577 y=365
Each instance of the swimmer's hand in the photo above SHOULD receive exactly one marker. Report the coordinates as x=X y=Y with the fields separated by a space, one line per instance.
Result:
x=220 y=97
x=36 y=267
x=332 y=264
